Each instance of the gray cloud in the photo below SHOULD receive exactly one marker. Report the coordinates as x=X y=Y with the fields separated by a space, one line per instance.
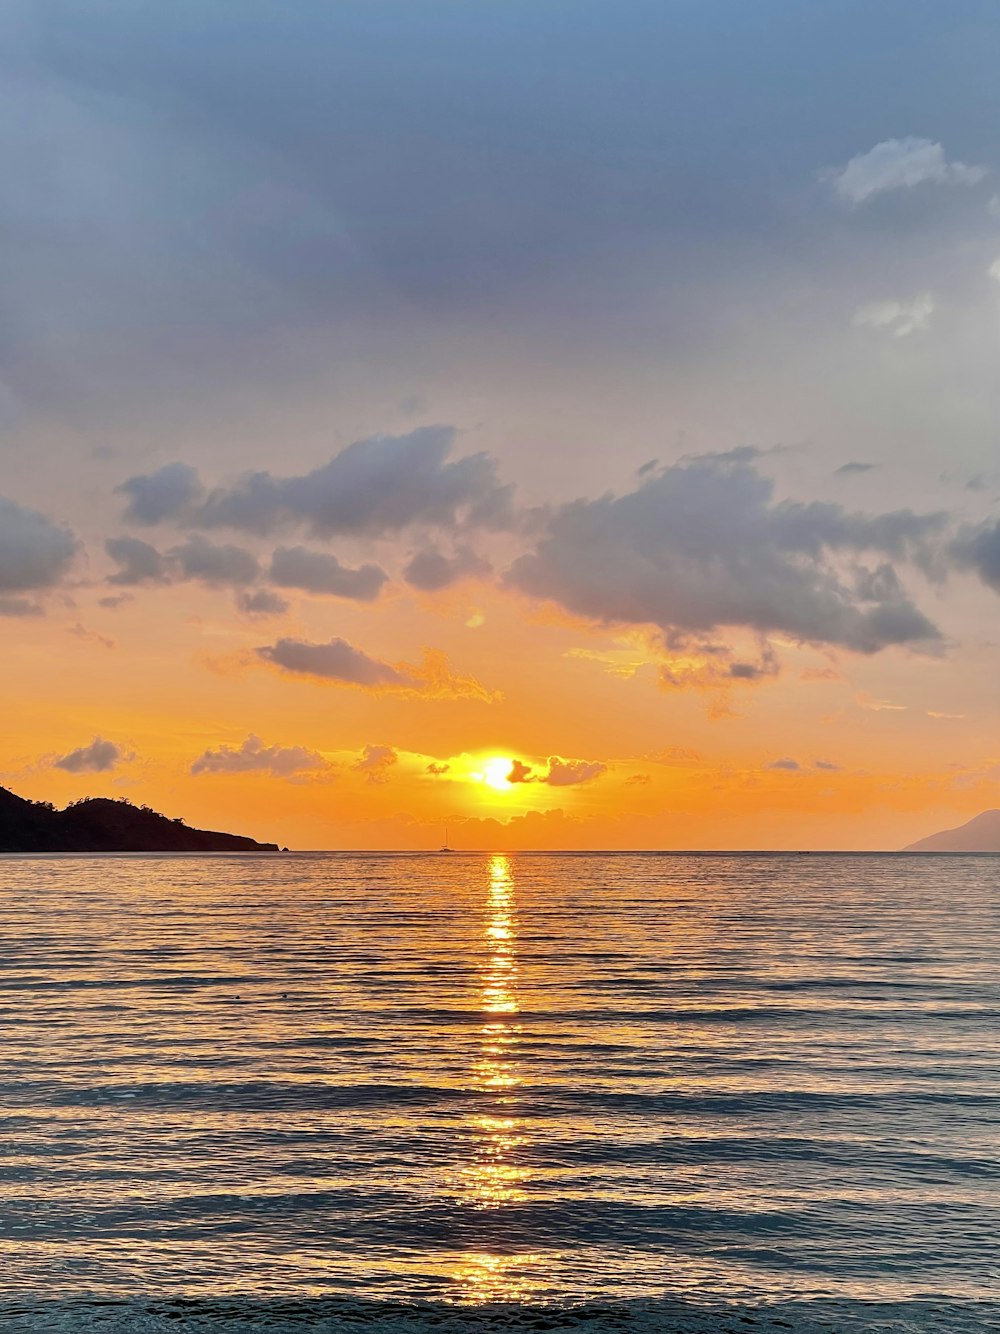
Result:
x=217 y=566
x=703 y=545
x=437 y=768
x=977 y=548
x=35 y=553
x=375 y=763
x=138 y=562
x=826 y=765
x=788 y=765
x=254 y=757
x=375 y=486
x=162 y=494
x=99 y=757
x=850 y=469
x=334 y=661
x=260 y=602
x=318 y=572
x=431 y=571
x=197 y=558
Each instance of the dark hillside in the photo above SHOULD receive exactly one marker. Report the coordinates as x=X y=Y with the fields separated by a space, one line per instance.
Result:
x=99 y=824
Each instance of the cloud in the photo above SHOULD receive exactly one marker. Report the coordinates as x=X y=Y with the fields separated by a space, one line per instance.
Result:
x=437 y=769
x=567 y=773
x=977 y=548
x=375 y=486
x=899 y=318
x=318 y=572
x=899 y=164
x=339 y=661
x=336 y=660
x=431 y=571
x=35 y=553
x=217 y=566
x=790 y=766
x=561 y=773
x=849 y=469
x=638 y=780
x=254 y=757
x=161 y=495
x=19 y=607
x=197 y=558
x=994 y=270
x=375 y=763
x=826 y=765
x=99 y=757
x=260 y=602
x=703 y=545
x=138 y=562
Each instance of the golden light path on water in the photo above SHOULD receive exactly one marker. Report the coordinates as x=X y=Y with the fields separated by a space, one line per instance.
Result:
x=494 y=1177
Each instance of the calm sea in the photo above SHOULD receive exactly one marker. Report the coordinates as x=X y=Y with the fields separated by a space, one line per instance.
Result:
x=417 y=1088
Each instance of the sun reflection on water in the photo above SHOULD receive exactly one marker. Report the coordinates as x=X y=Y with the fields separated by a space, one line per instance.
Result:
x=494 y=1177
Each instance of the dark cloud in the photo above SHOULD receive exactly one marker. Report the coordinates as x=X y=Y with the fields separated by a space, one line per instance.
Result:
x=788 y=765
x=437 y=769
x=335 y=660
x=99 y=757
x=260 y=602
x=561 y=773
x=638 y=780
x=254 y=757
x=826 y=765
x=218 y=566
x=162 y=494
x=849 y=469
x=35 y=553
x=138 y=562
x=197 y=558
x=376 y=486
x=318 y=572
x=977 y=548
x=431 y=571
x=375 y=762
x=703 y=545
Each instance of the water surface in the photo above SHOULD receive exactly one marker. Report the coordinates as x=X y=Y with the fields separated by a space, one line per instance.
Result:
x=524 y=1079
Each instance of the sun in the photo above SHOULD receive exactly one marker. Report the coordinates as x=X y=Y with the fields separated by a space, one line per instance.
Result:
x=495 y=771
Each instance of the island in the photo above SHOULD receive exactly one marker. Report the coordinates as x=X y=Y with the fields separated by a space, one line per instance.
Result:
x=101 y=824
x=980 y=834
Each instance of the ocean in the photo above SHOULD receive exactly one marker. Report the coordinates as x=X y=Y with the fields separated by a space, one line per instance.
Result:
x=480 y=1091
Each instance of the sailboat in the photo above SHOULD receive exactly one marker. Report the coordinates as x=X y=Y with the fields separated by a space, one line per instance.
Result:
x=444 y=846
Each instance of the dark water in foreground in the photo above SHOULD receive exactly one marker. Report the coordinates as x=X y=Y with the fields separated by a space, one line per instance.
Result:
x=768 y=1086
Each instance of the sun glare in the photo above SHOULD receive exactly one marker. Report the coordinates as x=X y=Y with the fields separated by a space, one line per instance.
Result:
x=495 y=771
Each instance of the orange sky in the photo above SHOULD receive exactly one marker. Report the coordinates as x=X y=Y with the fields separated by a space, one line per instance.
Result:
x=401 y=399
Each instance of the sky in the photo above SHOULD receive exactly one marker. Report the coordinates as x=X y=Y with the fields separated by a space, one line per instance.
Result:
x=564 y=425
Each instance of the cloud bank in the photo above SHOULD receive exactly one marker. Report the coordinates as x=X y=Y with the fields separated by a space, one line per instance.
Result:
x=703 y=545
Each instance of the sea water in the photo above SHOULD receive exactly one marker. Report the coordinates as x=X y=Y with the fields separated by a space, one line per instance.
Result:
x=620 y=1090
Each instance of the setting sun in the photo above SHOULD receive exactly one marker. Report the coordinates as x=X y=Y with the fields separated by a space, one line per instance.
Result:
x=495 y=771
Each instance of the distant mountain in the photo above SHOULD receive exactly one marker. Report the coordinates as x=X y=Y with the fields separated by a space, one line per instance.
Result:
x=102 y=825
x=981 y=834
